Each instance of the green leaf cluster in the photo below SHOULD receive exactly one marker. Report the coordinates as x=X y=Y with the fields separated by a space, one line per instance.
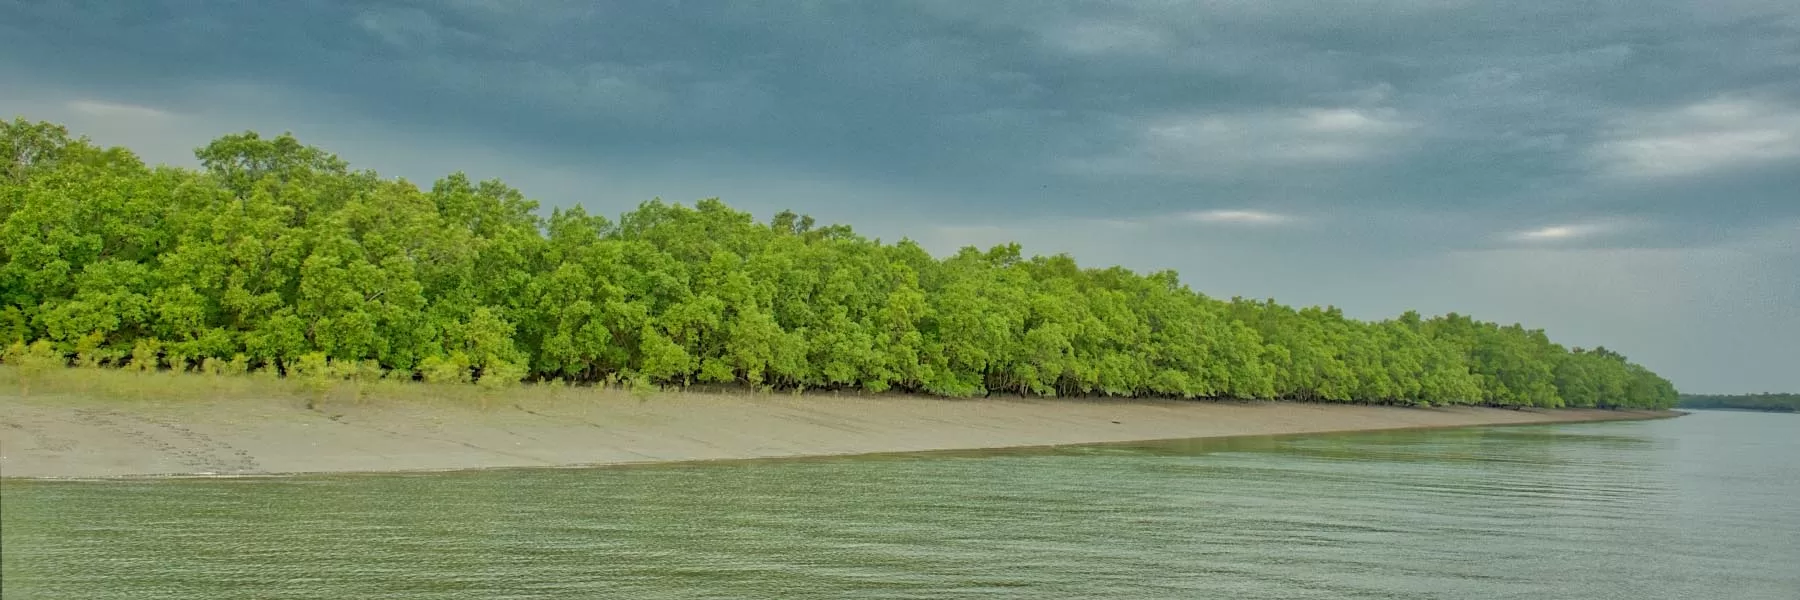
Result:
x=278 y=257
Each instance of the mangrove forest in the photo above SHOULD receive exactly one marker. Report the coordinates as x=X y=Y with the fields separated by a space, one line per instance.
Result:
x=279 y=257
x=1763 y=402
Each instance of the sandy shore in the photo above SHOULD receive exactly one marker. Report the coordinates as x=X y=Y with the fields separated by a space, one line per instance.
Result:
x=67 y=436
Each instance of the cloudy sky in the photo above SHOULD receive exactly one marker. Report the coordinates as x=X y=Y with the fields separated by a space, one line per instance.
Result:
x=1624 y=173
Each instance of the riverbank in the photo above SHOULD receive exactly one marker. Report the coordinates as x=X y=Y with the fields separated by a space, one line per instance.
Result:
x=85 y=436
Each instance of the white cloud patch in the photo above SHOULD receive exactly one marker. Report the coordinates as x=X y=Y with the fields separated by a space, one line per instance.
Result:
x=1722 y=134
x=1238 y=217
x=103 y=109
x=1557 y=233
x=1211 y=145
x=1577 y=231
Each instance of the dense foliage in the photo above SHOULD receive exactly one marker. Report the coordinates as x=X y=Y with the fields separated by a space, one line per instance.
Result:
x=1765 y=402
x=278 y=256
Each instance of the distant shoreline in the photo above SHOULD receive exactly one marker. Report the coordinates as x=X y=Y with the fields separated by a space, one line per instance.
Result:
x=81 y=437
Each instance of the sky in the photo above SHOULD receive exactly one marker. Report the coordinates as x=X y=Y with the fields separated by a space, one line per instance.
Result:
x=1618 y=173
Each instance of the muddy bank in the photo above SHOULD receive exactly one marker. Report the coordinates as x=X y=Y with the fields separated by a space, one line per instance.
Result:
x=76 y=436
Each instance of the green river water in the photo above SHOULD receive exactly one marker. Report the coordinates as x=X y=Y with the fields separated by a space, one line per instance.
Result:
x=1705 y=506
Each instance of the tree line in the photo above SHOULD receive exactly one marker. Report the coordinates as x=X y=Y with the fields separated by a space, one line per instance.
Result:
x=278 y=256
x=1763 y=402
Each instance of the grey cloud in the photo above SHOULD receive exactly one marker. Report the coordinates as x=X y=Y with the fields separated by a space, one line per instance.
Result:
x=1722 y=133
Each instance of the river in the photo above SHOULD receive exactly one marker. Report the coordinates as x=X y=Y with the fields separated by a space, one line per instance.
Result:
x=1704 y=506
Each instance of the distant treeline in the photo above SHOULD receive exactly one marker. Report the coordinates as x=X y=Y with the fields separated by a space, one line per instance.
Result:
x=1768 y=402
x=277 y=256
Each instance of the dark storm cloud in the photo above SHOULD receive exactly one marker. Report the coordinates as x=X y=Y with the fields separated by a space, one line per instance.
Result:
x=1484 y=102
